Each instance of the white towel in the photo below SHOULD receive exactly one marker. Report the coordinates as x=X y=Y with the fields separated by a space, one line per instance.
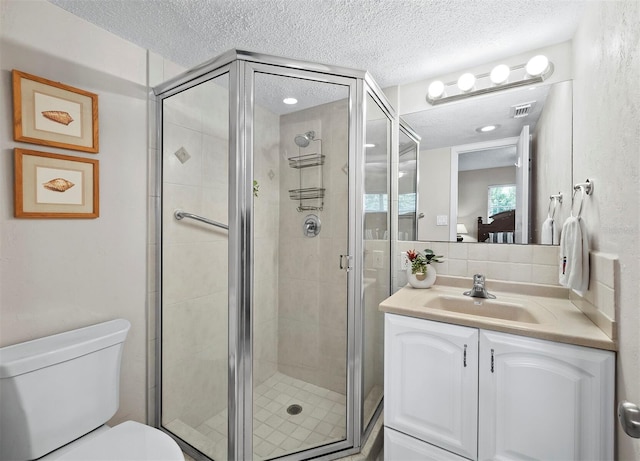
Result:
x=574 y=256
x=547 y=231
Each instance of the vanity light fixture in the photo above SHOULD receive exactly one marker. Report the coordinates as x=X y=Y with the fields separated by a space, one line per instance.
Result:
x=501 y=77
x=369 y=145
x=500 y=74
x=436 y=89
x=290 y=101
x=537 y=65
x=467 y=82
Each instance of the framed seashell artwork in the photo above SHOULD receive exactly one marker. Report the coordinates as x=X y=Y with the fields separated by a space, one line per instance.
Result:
x=54 y=114
x=55 y=186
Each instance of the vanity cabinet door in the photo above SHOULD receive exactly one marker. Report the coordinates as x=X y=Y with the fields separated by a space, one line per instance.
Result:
x=401 y=447
x=431 y=382
x=544 y=401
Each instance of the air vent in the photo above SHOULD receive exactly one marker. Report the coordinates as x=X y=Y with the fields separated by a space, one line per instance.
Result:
x=521 y=110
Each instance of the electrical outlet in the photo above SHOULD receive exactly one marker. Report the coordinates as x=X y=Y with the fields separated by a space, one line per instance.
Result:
x=404 y=261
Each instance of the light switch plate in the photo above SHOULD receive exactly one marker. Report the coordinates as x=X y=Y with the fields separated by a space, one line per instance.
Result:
x=378 y=259
x=442 y=220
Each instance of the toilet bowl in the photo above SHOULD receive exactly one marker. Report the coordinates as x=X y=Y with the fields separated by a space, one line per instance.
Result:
x=126 y=441
x=58 y=392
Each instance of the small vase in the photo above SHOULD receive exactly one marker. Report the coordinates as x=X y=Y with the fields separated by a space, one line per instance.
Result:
x=422 y=280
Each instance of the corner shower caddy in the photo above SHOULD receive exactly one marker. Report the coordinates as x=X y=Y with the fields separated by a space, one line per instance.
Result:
x=305 y=194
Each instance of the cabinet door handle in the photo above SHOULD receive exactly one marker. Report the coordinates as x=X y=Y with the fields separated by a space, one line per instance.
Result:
x=491 y=360
x=464 y=356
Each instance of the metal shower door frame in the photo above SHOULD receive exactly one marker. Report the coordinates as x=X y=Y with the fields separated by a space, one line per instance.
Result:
x=241 y=66
x=293 y=69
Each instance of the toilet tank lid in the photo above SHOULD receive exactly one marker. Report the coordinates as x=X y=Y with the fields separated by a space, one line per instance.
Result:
x=43 y=352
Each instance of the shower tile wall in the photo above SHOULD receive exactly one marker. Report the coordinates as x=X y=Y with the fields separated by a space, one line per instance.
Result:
x=313 y=305
x=266 y=230
x=195 y=278
x=195 y=256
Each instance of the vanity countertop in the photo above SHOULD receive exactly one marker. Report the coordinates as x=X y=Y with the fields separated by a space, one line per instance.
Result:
x=543 y=317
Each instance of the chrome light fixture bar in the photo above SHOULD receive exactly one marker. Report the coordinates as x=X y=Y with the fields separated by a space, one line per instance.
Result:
x=501 y=77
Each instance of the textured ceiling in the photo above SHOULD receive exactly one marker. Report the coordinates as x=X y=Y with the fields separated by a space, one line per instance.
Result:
x=397 y=41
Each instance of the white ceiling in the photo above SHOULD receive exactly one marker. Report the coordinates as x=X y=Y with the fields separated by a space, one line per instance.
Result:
x=397 y=41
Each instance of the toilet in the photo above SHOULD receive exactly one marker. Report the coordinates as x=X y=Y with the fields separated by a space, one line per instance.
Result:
x=58 y=392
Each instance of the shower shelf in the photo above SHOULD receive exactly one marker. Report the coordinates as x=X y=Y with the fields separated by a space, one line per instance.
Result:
x=307 y=160
x=308 y=193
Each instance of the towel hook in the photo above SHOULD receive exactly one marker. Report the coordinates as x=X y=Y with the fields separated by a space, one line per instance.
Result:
x=554 y=199
x=586 y=188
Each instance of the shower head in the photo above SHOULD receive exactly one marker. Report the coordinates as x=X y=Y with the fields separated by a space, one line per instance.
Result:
x=303 y=140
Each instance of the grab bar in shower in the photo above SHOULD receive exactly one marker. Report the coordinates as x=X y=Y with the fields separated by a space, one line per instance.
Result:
x=179 y=214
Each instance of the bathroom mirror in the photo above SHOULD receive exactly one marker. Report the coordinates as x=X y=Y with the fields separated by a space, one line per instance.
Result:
x=465 y=173
x=409 y=145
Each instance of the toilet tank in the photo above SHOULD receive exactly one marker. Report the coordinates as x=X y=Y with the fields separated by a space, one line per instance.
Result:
x=57 y=388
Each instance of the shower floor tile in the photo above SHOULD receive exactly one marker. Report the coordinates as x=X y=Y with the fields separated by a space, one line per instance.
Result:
x=275 y=431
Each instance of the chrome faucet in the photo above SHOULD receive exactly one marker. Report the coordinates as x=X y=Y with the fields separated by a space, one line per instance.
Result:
x=478 y=290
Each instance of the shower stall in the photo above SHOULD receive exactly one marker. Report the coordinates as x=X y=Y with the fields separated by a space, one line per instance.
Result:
x=274 y=253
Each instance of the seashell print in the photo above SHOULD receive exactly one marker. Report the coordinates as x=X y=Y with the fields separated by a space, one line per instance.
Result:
x=58 y=116
x=58 y=185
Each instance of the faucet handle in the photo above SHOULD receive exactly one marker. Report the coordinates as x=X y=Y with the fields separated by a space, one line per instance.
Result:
x=478 y=278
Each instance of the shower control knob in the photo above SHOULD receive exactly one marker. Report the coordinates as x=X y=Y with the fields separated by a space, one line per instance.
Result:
x=311 y=226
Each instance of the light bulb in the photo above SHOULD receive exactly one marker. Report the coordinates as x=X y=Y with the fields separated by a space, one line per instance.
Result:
x=436 y=89
x=537 y=65
x=290 y=101
x=500 y=74
x=466 y=82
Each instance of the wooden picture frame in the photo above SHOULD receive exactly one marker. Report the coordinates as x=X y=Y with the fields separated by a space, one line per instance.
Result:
x=55 y=186
x=54 y=114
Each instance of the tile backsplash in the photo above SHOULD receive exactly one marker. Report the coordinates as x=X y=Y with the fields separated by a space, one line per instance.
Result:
x=513 y=263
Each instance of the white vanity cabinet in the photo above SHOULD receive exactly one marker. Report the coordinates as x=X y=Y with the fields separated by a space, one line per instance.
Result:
x=544 y=400
x=517 y=398
x=431 y=382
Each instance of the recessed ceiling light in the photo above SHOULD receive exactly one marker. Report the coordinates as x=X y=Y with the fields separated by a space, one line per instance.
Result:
x=487 y=128
x=290 y=101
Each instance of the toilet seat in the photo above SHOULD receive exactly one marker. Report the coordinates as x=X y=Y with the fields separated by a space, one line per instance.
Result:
x=128 y=441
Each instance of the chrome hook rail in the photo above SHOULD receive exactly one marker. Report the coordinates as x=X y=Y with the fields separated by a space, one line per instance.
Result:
x=586 y=188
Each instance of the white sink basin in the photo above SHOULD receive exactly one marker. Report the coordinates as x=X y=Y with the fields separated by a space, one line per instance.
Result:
x=492 y=308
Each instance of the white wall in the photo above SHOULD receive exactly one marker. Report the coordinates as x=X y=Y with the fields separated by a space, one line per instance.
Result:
x=434 y=193
x=59 y=274
x=606 y=149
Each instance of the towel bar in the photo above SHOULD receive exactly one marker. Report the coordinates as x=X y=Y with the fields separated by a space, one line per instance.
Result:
x=183 y=214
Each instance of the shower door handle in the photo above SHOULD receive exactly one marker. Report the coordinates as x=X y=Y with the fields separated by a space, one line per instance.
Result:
x=344 y=267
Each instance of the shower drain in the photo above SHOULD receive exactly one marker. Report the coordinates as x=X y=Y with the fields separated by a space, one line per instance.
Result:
x=294 y=409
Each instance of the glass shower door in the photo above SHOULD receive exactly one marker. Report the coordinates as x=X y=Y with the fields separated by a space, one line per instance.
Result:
x=194 y=315
x=377 y=253
x=300 y=305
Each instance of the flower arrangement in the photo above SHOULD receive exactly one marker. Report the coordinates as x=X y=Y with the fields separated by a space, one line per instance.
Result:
x=420 y=261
